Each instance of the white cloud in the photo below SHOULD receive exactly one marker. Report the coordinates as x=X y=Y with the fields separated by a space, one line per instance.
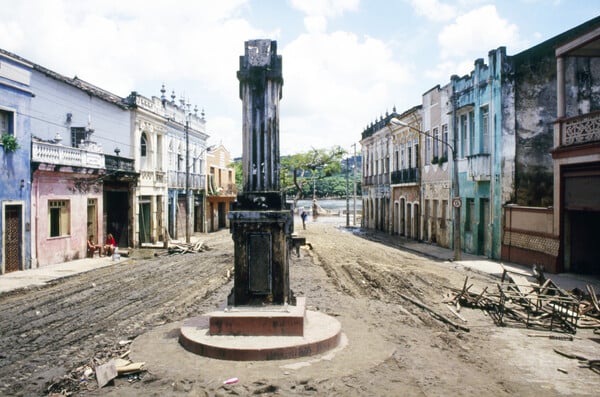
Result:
x=479 y=30
x=434 y=10
x=334 y=84
x=326 y=8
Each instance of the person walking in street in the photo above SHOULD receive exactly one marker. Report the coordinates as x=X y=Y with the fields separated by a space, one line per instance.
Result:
x=303 y=215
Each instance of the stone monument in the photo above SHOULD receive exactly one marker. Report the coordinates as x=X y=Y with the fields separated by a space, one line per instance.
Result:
x=263 y=320
x=261 y=222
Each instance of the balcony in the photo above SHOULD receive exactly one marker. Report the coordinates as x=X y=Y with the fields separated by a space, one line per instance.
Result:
x=581 y=129
x=51 y=153
x=117 y=163
x=406 y=175
x=478 y=168
x=177 y=180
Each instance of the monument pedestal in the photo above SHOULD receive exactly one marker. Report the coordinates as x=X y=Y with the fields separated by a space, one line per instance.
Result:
x=261 y=228
x=261 y=333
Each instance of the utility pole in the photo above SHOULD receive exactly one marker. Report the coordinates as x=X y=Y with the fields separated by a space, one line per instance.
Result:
x=354 y=185
x=187 y=175
x=347 y=193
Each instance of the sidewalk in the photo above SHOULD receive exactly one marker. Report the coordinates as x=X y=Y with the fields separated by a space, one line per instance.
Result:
x=40 y=276
x=567 y=281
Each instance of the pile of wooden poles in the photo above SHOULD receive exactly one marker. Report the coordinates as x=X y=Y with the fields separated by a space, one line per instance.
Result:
x=183 y=248
x=544 y=305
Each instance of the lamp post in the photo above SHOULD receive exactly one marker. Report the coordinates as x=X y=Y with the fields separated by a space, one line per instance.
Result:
x=456 y=202
x=354 y=186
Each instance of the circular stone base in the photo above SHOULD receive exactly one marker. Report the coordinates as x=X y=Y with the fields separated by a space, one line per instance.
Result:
x=321 y=333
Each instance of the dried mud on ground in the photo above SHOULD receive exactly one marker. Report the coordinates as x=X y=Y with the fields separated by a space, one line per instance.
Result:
x=393 y=347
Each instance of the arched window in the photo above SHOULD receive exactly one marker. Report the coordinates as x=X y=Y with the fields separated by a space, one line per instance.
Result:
x=143 y=144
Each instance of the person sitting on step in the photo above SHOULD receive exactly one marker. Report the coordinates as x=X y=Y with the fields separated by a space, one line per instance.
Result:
x=93 y=247
x=109 y=245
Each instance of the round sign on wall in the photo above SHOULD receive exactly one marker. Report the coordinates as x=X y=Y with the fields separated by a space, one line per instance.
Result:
x=456 y=202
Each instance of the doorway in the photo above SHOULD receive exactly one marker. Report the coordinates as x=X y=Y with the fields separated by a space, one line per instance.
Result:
x=13 y=248
x=144 y=221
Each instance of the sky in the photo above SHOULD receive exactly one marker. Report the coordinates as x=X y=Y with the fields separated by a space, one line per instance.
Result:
x=345 y=62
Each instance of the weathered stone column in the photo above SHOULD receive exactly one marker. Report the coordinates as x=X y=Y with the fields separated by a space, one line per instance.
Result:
x=260 y=91
x=261 y=222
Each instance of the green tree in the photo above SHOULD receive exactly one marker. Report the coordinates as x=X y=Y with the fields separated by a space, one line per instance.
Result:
x=239 y=177
x=299 y=171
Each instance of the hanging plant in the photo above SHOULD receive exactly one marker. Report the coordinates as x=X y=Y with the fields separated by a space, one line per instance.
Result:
x=10 y=143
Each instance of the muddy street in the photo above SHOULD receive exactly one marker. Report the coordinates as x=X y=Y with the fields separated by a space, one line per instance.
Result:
x=393 y=346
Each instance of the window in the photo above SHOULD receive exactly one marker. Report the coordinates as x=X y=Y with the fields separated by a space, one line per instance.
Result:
x=463 y=135
x=471 y=133
x=402 y=158
x=77 y=136
x=485 y=133
x=469 y=215
x=445 y=141
x=427 y=149
x=416 y=143
x=58 y=214
x=7 y=122
x=143 y=145
x=443 y=216
x=436 y=143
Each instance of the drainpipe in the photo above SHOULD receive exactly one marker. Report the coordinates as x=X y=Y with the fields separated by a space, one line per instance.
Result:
x=37 y=217
x=492 y=137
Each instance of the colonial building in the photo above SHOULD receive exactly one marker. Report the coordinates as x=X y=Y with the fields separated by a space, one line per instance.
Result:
x=221 y=187
x=485 y=153
x=405 y=176
x=376 y=144
x=186 y=164
x=436 y=182
x=576 y=151
x=550 y=219
x=15 y=151
x=148 y=128
x=81 y=167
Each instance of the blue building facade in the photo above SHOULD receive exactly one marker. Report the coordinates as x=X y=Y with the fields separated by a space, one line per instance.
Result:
x=483 y=153
x=15 y=219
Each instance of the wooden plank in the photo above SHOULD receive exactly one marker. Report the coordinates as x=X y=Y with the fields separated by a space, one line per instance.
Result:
x=521 y=284
x=593 y=297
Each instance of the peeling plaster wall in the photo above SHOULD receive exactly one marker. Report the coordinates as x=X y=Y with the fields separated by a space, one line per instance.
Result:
x=483 y=88
x=535 y=109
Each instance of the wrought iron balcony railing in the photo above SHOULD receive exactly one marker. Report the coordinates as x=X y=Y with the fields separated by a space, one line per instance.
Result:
x=406 y=175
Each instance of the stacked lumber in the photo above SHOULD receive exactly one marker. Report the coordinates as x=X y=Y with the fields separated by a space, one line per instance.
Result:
x=176 y=248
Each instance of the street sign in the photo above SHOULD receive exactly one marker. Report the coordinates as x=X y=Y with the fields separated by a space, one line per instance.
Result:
x=456 y=202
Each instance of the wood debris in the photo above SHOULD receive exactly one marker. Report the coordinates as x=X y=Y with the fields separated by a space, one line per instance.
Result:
x=584 y=362
x=177 y=248
x=534 y=304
